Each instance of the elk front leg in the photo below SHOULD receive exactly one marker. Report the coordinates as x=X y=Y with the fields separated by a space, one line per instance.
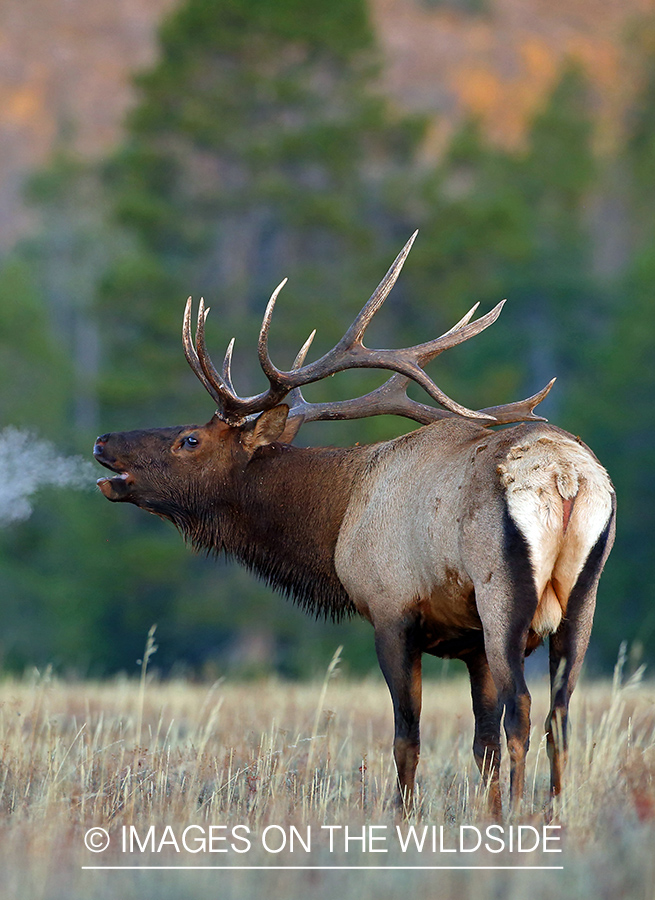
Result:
x=487 y=711
x=399 y=656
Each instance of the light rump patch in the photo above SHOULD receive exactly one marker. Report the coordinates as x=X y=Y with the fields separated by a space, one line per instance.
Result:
x=553 y=489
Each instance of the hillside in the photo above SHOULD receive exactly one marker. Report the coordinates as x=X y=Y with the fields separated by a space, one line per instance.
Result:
x=499 y=65
x=65 y=69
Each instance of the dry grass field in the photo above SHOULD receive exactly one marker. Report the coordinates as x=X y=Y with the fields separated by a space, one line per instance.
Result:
x=246 y=775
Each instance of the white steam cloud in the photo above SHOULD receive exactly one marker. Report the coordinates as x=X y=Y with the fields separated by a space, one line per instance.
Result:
x=27 y=464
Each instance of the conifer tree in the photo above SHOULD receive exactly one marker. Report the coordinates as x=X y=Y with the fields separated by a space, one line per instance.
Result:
x=258 y=149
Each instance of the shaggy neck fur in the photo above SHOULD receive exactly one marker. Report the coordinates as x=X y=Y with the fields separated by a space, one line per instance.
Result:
x=280 y=516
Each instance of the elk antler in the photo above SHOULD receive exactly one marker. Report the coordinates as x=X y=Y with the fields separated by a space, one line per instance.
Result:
x=349 y=353
x=391 y=399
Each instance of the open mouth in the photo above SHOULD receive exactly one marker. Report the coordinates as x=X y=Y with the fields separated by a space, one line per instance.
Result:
x=116 y=487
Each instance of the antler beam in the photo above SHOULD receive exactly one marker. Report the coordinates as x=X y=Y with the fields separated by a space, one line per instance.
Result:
x=391 y=399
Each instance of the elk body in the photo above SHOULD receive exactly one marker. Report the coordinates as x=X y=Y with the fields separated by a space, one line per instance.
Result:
x=451 y=540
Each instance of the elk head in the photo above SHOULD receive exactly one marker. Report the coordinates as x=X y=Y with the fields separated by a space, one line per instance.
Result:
x=153 y=465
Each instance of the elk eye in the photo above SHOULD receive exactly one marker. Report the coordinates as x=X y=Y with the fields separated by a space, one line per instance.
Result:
x=189 y=441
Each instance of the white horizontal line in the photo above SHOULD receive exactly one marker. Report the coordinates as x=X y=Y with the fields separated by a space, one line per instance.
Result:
x=326 y=868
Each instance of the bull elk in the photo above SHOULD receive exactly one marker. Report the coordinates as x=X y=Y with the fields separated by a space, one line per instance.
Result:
x=451 y=540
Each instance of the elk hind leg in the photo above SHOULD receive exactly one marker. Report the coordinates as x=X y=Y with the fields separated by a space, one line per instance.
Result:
x=487 y=711
x=399 y=656
x=507 y=601
x=568 y=646
x=506 y=631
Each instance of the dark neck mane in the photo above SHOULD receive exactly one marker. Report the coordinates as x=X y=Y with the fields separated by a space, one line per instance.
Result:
x=281 y=518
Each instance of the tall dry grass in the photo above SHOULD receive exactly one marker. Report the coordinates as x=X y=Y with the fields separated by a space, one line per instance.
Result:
x=77 y=756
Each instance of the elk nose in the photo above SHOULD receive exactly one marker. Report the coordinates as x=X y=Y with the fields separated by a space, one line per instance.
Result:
x=99 y=444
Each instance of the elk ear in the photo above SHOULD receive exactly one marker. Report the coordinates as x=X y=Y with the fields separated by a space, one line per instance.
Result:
x=266 y=428
x=291 y=429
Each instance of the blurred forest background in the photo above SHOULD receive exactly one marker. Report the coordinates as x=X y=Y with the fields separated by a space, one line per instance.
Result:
x=268 y=138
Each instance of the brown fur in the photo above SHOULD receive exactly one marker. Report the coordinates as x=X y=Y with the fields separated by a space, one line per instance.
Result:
x=275 y=508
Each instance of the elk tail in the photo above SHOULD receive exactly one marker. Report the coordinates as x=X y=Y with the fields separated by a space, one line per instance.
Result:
x=561 y=499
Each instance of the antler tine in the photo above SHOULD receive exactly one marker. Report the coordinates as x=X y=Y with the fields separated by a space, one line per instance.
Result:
x=521 y=410
x=352 y=337
x=462 y=331
x=302 y=353
x=262 y=346
x=464 y=320
x=192 y=355
x=295 y=398
x=227 y=366
x=356 y=331
x=225 y=396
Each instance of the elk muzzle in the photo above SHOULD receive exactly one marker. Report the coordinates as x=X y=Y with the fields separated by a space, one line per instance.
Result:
x=118 y=487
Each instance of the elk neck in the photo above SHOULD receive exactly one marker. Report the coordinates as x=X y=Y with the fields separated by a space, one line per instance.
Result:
x=282 y=519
